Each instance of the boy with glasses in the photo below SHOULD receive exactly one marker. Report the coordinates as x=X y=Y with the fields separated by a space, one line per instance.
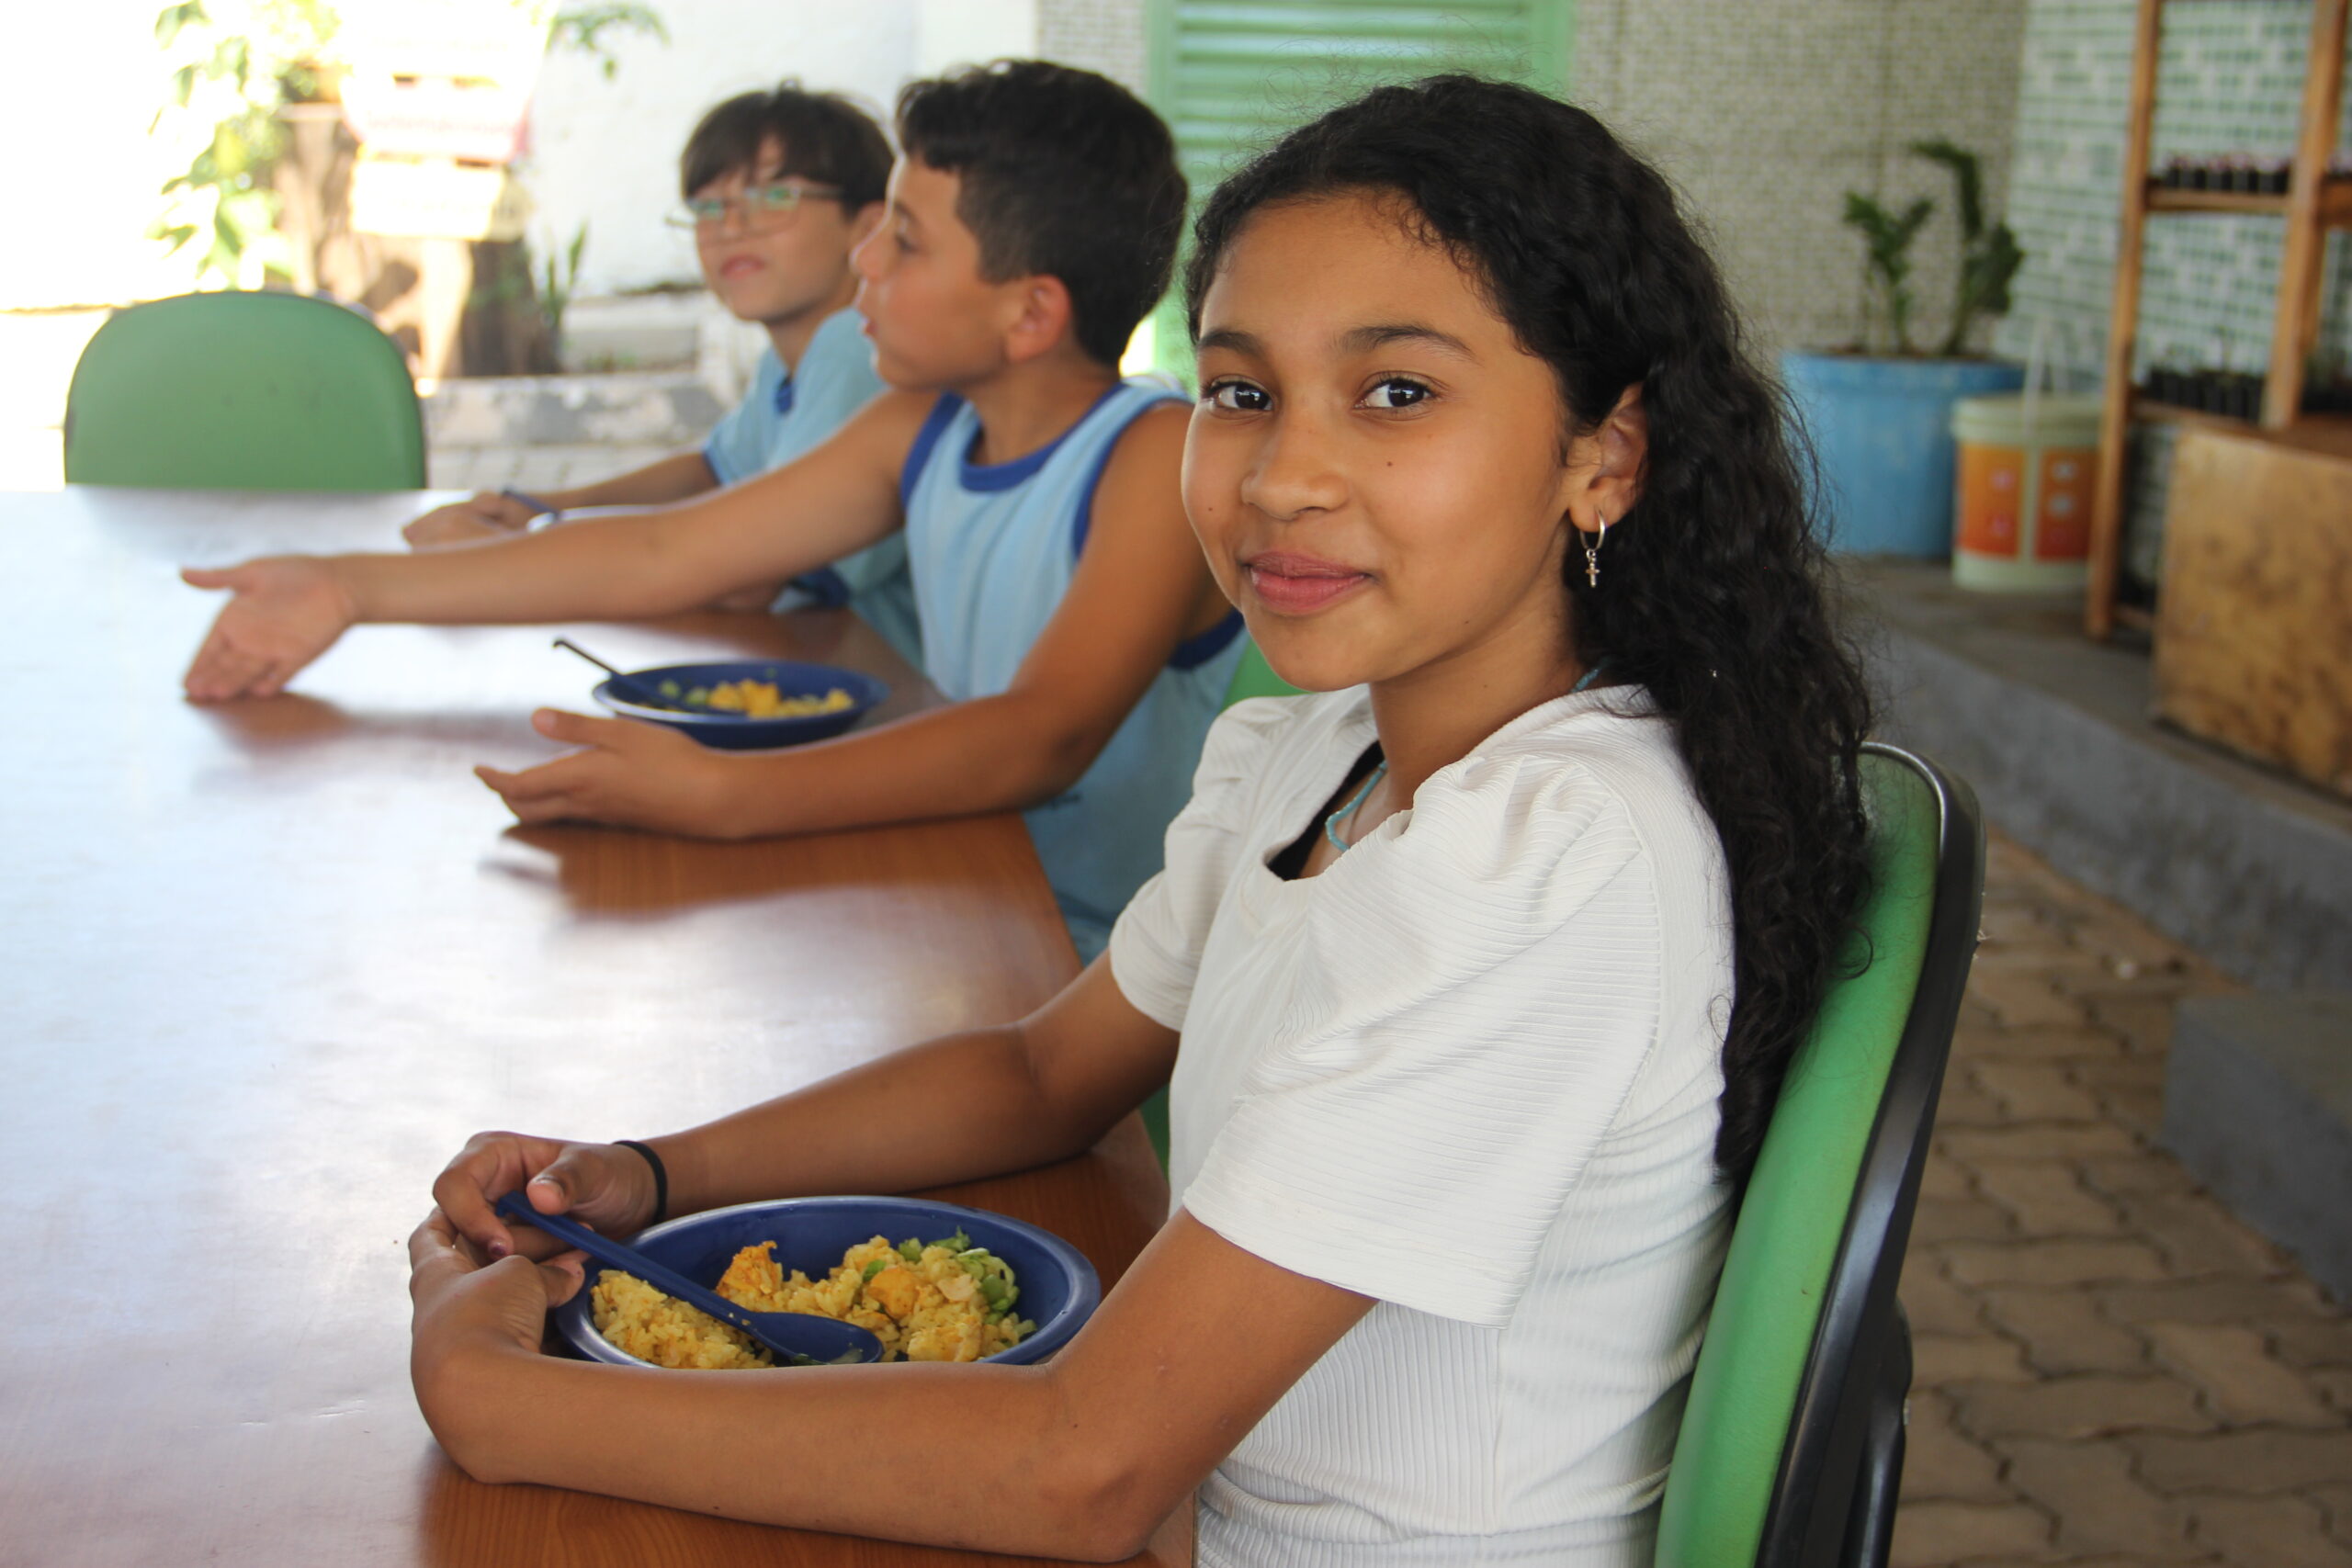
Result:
x=780 y=186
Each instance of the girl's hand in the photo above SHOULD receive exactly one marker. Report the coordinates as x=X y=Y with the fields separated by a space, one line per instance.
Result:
x=465 y=1317
x=605 y=1187
x=631 y=775
x=287 y=611
x=482 y=515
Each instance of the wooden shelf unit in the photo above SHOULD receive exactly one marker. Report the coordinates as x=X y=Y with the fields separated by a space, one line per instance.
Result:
x=2312 y=206
x=2334 y=202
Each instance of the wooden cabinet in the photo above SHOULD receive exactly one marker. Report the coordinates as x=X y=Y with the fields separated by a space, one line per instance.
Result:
x=2253 y=630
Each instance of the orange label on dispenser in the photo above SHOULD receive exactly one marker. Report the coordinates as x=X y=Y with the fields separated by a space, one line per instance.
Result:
x=2064 y=530
x=1992 y=487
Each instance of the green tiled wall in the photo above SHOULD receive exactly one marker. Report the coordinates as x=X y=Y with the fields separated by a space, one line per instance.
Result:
x=2230 y=80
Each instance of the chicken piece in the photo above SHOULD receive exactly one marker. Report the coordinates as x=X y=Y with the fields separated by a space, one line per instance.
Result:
x=895 y=1291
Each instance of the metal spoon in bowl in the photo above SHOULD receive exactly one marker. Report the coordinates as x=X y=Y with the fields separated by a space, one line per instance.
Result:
x=798 y=1339
x=628 y=686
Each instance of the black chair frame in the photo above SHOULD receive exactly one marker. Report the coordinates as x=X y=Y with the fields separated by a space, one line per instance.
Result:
x=1832 y=1500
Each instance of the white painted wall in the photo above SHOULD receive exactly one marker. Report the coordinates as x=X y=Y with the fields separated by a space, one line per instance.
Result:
x=604 y=151
x=78 y=86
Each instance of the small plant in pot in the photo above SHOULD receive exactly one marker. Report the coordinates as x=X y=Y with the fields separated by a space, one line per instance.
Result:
x=1878 y=413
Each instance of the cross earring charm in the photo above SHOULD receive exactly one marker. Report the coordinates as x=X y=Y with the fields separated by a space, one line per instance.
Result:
x=1592 y=556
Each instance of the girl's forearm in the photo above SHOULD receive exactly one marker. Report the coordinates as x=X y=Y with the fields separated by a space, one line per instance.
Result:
x=980 y=1110
x=978 y=1457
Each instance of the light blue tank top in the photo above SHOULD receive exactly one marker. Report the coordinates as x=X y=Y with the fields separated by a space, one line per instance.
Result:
x=781 y=418
x=992 y=550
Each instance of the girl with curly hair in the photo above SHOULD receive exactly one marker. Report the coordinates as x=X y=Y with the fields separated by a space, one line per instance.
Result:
x=1475 y=972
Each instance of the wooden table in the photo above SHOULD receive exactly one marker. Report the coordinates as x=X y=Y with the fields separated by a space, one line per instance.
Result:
x=267 y=965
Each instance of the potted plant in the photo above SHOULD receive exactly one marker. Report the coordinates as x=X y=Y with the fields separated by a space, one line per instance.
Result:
x=1879 y=412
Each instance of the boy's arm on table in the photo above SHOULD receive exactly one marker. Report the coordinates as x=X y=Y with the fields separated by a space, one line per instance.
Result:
x=288 y=609
x=491 y=515
x=1079 y=1458
x=1139 y=589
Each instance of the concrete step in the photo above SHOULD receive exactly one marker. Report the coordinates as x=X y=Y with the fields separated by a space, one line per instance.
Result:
x=2258 y=1107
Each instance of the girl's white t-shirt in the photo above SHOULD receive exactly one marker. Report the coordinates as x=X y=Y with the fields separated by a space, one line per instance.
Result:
x=1471 y=1070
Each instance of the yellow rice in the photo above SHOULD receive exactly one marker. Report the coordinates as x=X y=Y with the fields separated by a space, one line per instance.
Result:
x=931 y=1307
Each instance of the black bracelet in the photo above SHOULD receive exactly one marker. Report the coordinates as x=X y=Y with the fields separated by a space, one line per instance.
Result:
x=661 y=1177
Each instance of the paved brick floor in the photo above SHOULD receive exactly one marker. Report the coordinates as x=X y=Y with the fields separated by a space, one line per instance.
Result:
x=2111 y=1368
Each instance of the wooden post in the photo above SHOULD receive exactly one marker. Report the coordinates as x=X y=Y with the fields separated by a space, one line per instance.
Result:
x=2296 y=322
x=2123 y=328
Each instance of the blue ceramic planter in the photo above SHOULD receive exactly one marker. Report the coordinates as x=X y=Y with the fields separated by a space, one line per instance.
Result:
x=1883 y=429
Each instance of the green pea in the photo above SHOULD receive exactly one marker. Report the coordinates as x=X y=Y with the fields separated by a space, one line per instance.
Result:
x=911 y=1250
x=876 y=1265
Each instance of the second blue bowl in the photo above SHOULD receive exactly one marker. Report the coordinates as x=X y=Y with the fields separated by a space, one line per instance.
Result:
x=734 y=732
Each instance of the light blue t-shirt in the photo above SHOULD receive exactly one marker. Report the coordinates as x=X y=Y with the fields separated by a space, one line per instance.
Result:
x=781 y=418
x=992 y=550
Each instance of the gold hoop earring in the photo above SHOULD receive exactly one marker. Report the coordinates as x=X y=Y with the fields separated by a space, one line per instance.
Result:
x=1592 y=553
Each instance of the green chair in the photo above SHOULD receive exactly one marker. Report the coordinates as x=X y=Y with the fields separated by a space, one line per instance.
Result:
x=243 y=391
x=1792 y=1445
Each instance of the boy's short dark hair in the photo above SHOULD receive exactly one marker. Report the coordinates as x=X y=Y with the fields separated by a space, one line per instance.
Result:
x=1063 y=173
x=826 y=139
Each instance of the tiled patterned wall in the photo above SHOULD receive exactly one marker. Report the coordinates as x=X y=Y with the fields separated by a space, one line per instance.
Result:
x=1100 y=35
x=1766 y=112
x=2230 y=80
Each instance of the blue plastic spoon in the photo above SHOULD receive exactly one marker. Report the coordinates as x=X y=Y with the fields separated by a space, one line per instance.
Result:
x=628 y=686
x=798 y=1339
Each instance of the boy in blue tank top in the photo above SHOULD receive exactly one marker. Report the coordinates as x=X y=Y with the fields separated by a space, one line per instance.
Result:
x=1064 y=601
x=779 y=186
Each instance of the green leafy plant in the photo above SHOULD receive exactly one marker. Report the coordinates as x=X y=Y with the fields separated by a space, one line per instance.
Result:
x=583 y=29
x=239 y=73
x=559 y=279
x=239 y=61
x=1888 y=237
x=1989 y=256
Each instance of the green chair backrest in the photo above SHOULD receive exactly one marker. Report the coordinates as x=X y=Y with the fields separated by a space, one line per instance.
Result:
x=1792 y=1220
x=243 y=391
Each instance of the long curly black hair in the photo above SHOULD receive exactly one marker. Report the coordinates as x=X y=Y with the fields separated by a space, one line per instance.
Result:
x=1713 y=593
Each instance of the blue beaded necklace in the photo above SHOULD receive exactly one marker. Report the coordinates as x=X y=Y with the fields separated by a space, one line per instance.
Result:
x=1331 y=823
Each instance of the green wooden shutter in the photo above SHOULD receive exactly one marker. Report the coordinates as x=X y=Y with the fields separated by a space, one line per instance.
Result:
x=1230 y=75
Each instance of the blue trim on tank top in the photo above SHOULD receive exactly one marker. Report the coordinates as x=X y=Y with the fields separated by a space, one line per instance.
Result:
x=935 y=425
x=1196 y=651
x=1193 y=651
x=1083 y=518
x=1004 y=475
x=827 y=587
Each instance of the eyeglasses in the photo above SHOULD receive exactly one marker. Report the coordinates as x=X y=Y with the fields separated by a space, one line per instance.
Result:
x=762 y=210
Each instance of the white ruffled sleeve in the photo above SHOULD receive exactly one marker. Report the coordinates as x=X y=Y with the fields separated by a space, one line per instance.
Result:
x=1486 y=978
x=1154 y=948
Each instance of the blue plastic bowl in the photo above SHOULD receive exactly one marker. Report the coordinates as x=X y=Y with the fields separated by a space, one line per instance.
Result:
x=1059 y=1288
x=733 y=732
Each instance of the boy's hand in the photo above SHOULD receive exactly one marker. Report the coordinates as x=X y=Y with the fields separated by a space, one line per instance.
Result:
x=485 y=515
x=287 y=611
x=605 y=1187
x=630 y=775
